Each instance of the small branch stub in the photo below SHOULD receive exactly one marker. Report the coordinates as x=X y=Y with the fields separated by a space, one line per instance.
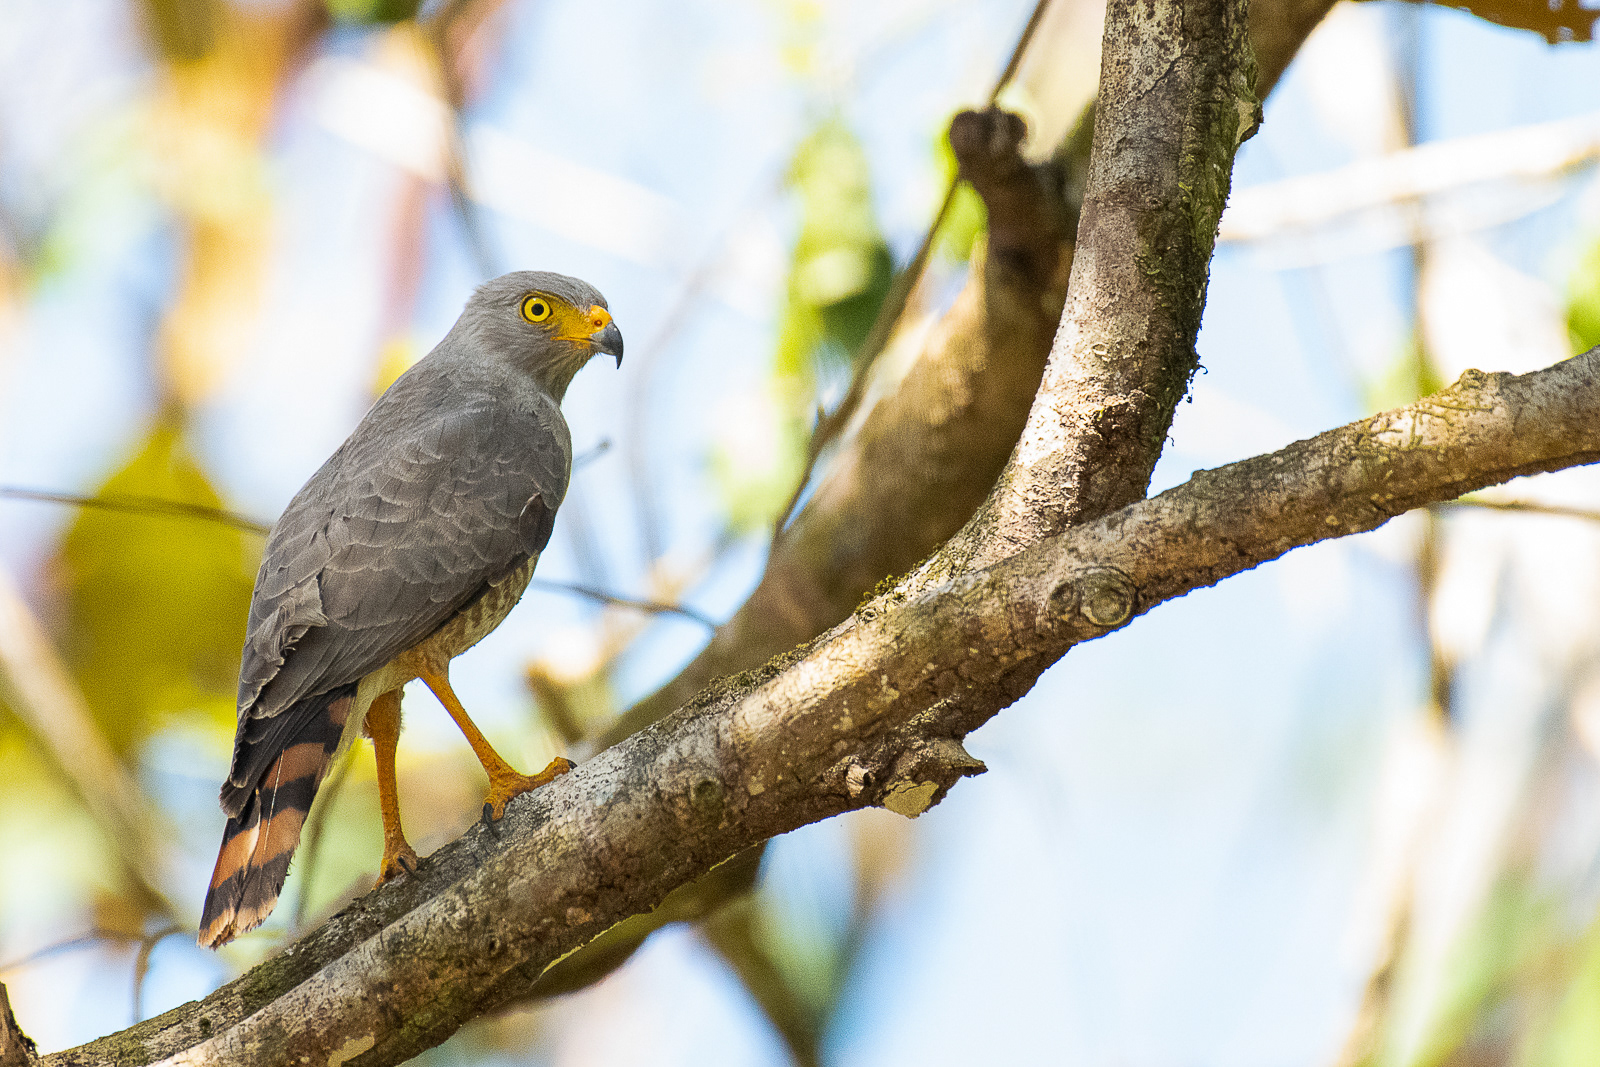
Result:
x=925 y=772
x=1105 y=596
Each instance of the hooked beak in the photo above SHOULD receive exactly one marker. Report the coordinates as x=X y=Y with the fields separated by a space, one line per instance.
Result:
x=609 y=341
x=608 y=338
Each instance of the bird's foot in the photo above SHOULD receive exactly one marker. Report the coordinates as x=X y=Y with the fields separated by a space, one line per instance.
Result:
x=503 y=787
x=398 y=858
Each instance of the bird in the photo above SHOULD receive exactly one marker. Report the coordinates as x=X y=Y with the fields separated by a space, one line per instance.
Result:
x=411 y=543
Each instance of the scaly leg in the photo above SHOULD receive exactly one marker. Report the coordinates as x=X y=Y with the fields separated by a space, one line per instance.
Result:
x=504 y=782
x=383 y=726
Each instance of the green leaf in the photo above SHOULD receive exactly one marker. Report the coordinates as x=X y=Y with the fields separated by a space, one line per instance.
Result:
x=156 y=604
x=1583 y=302
x=841 y=268
x=1554 y=20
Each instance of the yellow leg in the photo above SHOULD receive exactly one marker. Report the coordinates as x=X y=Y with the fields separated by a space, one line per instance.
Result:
x=383 y=726
x=504 y=782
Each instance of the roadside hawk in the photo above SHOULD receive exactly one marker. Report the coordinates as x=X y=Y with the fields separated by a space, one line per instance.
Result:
x=412 y=542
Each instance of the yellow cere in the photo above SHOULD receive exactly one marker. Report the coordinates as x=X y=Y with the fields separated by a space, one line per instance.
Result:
x=567 y=322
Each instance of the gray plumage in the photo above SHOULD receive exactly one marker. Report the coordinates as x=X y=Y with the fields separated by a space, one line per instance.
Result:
x=411 y=542
x=447 y=485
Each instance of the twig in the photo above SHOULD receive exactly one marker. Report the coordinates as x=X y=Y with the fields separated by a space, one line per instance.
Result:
x=40 y=691
x=457 y=176
x=150 y=505
x=895 y=300
x=773 y=750
x=1528 y=507
x=141 y=964
x=588 y=456
x=639 y=384
x=600 y=595
x=93 y=937
x=16 y=1048
x=137 y=504
x=1527 y=154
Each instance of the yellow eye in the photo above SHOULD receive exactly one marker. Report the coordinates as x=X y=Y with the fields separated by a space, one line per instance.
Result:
x=536 y=308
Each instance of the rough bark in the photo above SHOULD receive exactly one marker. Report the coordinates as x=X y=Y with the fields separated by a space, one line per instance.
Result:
x=871 y=714
x=1176 y=99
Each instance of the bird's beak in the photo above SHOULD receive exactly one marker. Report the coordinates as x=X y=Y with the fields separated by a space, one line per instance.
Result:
x=608 y=339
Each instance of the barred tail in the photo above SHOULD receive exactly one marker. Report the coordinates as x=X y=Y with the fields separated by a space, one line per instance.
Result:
x=260 y=839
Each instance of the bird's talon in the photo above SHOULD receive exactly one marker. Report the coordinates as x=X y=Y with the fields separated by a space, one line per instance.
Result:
x=502 y=789
x=397 y=861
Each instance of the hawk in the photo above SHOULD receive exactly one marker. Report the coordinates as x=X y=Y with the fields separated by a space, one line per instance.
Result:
x=413 y=541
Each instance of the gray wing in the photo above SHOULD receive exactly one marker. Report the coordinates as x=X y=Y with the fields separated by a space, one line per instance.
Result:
x=435 y=496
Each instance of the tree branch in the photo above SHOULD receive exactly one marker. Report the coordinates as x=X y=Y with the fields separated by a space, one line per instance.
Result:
x=872 y=714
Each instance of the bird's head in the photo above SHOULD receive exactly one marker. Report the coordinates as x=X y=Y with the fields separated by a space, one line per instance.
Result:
x=547 y=324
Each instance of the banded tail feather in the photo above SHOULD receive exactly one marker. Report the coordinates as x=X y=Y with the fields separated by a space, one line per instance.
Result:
x=261 y=835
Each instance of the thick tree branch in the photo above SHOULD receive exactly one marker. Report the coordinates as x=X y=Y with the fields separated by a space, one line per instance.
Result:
x=872 y=714
x=1176 y=99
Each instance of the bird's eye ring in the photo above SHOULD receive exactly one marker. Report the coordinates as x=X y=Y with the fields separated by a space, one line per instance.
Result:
x=535 y=309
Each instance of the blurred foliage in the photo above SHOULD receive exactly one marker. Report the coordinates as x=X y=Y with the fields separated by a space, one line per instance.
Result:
x=1409 y=376
x=184 y=30
x=156 y=604
x=839 y=273
x=1583 y=302
x=841 y=267
x=1554 y=20
x=1572 y=1036
x=47 y=838
x=1490 y=976
x=204 y=156
x=372 y=11
x=395 y=357
x=1520 y=988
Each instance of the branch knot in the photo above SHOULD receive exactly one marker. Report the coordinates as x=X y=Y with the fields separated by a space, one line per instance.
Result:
x=1104 y=596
